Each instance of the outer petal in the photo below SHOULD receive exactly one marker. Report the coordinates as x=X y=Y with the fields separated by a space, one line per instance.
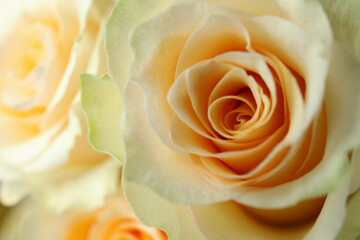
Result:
x=84 y=191
x=57 y=148
x=230 y=221
x=151 y=209
x=351 y=226
x=331 y=218
x=11 y=193
x=345 y=21
x=9 y=228
x=125 y=15
x=102 y=105
x=355 y=180
x=84 y=165
x=12 y=7
x=89 y=34
x=297 y=11
x=84 y=10
x=149 y=162
x=69 y=84
x=343 y=100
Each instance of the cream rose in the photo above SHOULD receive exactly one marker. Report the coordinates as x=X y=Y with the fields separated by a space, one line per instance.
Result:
x=113 y=220
x=244 y=110
x=45 y=45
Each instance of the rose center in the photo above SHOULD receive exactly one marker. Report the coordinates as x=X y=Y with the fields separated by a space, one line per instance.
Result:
x=33 y=52
x=27 y=52
x=230 y=114
x=236 y=118
x=235 y=110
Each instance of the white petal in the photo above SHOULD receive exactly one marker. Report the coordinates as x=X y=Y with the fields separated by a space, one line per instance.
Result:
x=345 y=21
x=151 y=209
x=230 y=221
x=84 y=190
x=125 y=15
x=351 y=226
x=149 y=162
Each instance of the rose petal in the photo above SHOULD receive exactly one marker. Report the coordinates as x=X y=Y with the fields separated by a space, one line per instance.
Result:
x=345 y=22
x=298 y=11
x=35 y=88
x=342 y=98
x=351 y=227
x=229 y=88
x=89 y=33
x=184 y=106
x=18 y=127
x=27 y=211
x=58 y=149
x=157 y=41
x=355 y=177
x=70 y=83
x=331 y=218
x=149 y=162
x=230 y=221
x=188 y=140
x=74 y=192
x=12 y=192
x=125 y=15
x=7 y=22
x=271 y=116
x=218 y=34
x=97 y=64
x=102 y=104
x=310 y=58
x=193 y=143
x=175 y=220
x=302 y=157
x=14 y=155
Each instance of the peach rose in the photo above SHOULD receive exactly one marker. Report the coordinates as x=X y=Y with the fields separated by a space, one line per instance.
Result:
x=113 y=220
x=45 y=45
x=244 y=110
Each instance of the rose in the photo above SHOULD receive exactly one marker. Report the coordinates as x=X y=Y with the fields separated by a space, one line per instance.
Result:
x=45 y=45
x=113 y=220
x=249 y=113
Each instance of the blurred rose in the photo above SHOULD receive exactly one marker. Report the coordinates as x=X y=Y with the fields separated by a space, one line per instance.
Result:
x=244 y=110
x=113 y=220
x=45 y=45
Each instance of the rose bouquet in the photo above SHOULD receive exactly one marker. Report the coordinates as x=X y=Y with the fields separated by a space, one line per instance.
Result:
x=232 y=119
